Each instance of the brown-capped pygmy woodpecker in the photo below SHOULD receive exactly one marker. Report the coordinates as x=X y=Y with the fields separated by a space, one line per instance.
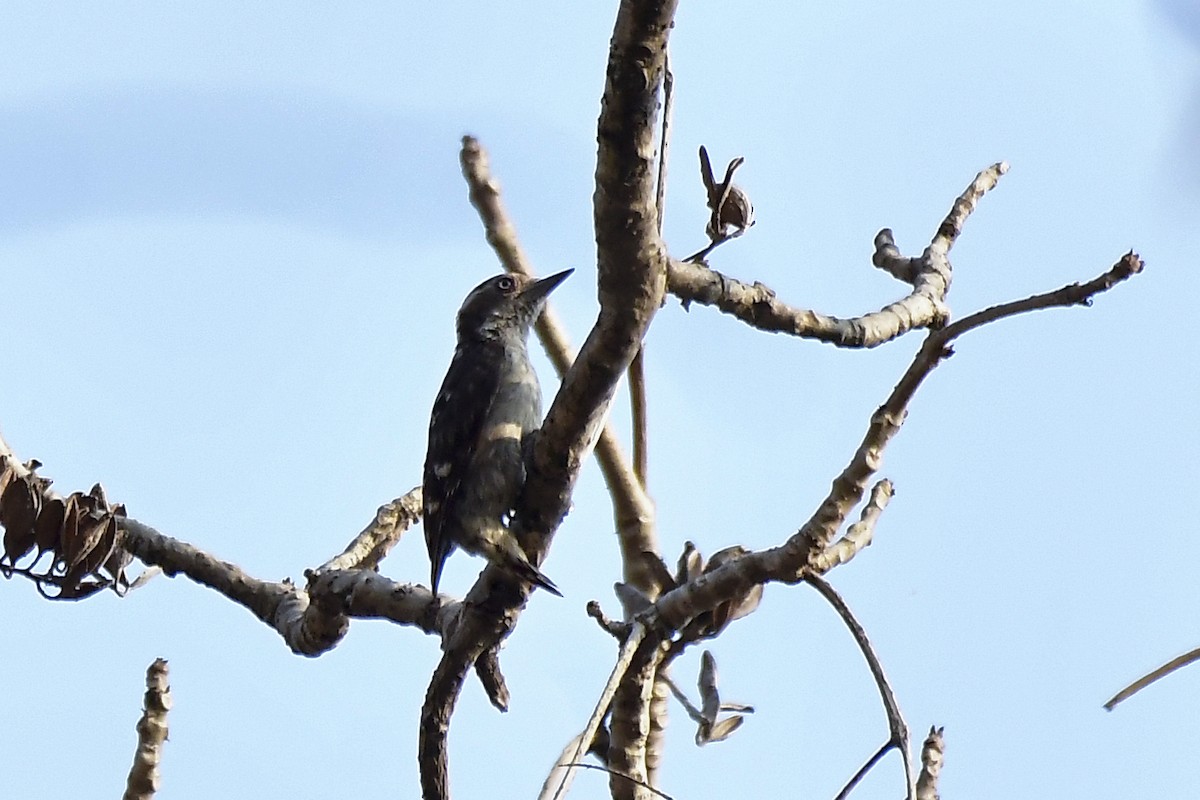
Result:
x=489 y=401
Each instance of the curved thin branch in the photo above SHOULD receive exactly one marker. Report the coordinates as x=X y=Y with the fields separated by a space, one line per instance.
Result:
x=1144 y=681
x=629 y=649
x=601 y=768
x=929 y=274
x=897 y=729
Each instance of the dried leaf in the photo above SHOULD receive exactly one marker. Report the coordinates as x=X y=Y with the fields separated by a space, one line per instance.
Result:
x=7 y=473
x=116 y=563
x=724 y=556
x=145 y=577
x=68 y=531
x=633 y=601
x=711 y=190
x=710 y=699
x=690 y=566
x=728 y=203
x=89 y=548
x=49 y=525
x=719 y=618
x=747 y=604
x=737 y=211
x=662 y=575
x=18 y=510
x=721 y=731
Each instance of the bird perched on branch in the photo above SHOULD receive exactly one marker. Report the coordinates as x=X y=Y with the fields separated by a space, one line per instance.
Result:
x=489 y=400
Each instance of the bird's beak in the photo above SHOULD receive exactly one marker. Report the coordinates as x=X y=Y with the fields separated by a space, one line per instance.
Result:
x=535 y=293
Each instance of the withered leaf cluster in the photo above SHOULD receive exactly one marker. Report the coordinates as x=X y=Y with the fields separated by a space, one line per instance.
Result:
x=691 y=566
x=730 y=205
x=707 y=625
x=709 y=727
x=80 y=534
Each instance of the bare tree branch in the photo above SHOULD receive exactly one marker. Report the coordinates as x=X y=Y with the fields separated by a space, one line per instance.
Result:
x=612 y=772
x=792 y=560
x=929 y=275
x=857 y=535
x=664 y=141
x=143 y=780
x=639 y=413
x=897 y=729
x=1144 y=681
x=798 y=558
x=487 y=667
x=629 y=727
x=656 y=739
x=625 y=657
x=311 y=621
x=371 y=546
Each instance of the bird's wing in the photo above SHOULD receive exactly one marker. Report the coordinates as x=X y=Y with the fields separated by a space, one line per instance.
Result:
x=454 y=429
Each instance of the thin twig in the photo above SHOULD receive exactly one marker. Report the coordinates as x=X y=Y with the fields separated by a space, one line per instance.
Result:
x=664 y=143
x=1144 y=681
x=624 y=658
x=637 y=368
x=631 y=779
x=858 y=535
x=371 y=546
x=863 y=770
x=698 y=256
x=637 y=405
x=618 y=630
x=691 y=710
x=897 y=729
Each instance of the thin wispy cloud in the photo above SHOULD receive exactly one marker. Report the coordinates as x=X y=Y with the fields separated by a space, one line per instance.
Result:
x=136 y=150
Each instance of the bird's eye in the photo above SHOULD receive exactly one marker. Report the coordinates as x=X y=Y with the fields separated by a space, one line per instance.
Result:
x=505 y=283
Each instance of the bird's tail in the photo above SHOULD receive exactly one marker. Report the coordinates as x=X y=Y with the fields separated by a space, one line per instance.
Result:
x=518 y=564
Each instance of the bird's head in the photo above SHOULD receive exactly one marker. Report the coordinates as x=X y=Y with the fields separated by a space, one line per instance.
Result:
x=505 y=305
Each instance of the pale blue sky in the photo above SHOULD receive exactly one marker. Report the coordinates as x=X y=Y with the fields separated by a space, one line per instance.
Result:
x=234 y=237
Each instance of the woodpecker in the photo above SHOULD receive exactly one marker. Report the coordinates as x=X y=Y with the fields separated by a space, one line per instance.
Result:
x=489 y=400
